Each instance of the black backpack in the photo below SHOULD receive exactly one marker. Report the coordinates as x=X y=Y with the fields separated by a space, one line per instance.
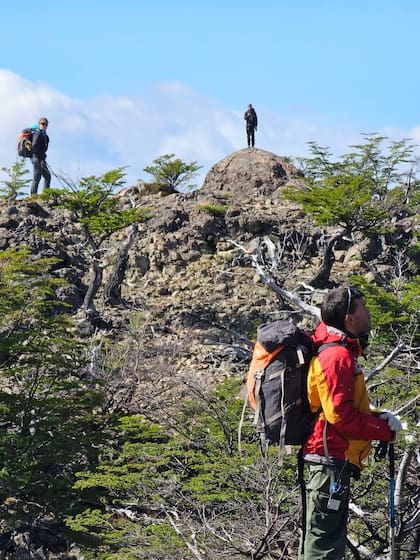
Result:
x=24 y=143
x=277 y=384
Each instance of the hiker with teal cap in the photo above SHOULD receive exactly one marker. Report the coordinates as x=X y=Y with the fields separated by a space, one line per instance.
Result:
x=40 y=141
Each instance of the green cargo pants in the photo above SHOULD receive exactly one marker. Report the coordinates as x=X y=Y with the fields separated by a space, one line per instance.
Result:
x=326 y=520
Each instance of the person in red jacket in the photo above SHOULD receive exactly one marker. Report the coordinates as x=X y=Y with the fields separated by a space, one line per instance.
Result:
x=345 y=427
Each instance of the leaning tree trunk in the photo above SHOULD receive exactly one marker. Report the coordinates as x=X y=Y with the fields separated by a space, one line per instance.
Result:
x=408 y=533
x=322 y=277
x=112 y=292
x=94 y=285
x=95 y=281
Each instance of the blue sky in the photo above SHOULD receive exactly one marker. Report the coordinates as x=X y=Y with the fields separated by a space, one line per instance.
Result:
x=123 y=82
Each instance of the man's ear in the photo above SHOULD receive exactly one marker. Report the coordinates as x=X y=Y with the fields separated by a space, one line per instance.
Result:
x=348 y=322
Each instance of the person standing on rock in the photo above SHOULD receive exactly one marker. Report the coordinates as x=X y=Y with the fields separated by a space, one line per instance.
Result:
x=40 y=143
x=251 y=125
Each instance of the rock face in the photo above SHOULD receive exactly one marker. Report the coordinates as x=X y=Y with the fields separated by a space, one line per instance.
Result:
x=249 y=170
x=189 y=283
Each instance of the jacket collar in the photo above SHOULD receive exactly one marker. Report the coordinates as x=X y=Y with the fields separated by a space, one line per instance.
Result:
x=326 y=334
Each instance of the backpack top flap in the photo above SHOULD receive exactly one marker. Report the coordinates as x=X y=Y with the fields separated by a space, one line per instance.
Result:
x=271 y=340
x=271 y=335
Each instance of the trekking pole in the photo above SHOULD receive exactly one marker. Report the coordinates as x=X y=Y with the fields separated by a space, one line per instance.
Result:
x=51 y=170
x=392 y=498
x=63 y=182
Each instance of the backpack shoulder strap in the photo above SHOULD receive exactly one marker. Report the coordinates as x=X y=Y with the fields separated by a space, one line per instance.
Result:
x=324 y=431
x=328 y=345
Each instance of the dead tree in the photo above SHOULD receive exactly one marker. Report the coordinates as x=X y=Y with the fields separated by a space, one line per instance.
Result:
x=95 y=281
x=94 y=285
x=112 y=292
x=322 y=277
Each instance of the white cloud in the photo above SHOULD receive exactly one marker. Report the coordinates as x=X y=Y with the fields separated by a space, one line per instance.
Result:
x=91 y=136
x=414 y=134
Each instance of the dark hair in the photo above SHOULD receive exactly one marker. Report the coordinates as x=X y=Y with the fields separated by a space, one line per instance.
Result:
x=337 y=304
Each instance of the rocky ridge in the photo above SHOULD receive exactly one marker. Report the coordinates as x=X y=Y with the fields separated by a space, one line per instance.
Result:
x=193 y=298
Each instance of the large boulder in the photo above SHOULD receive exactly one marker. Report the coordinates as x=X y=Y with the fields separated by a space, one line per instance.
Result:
x=249 y=170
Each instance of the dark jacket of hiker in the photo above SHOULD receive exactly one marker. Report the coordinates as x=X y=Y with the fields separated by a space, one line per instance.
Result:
x=40 y=143
x=251 y=118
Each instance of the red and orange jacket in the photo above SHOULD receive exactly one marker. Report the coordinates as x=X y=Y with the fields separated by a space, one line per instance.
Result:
x=336 y=384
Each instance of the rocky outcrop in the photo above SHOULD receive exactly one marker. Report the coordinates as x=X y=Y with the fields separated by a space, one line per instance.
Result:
x=251 y=171
x=185 y=271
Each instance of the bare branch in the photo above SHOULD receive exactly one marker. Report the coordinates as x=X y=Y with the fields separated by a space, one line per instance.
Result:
x=289 y=296
x=401 y=347
x=407 y=404
x=191 y=547
x=385 y=362
x=234 y=333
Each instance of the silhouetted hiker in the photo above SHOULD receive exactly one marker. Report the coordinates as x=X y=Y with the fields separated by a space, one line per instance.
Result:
x=251 y=125
x=40 y=143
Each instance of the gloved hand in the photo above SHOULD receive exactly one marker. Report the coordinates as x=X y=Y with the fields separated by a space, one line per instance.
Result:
x=393 y=422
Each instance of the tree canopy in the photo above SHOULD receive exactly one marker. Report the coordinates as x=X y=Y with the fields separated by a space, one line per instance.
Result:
x=47 y=404
x=171 y=173
x=14 y=186
x=98 y=210
x=355 y=191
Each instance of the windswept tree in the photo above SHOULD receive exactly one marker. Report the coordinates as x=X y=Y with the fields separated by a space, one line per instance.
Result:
x=183 y=491
x=98 y=211
x=356 y=193
x=50 y=421
x=14 y=185
x=171 y=173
